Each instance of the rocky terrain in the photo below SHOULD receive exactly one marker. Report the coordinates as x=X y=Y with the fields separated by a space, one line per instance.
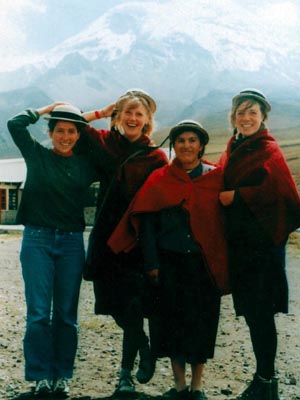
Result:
x=97 y=362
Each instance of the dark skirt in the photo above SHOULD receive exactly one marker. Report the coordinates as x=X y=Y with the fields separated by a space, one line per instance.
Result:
x=189 y=309
x=121 y=287
x=258 y=278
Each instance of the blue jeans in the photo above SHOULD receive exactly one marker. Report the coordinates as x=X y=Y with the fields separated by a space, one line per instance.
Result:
x=52 y=263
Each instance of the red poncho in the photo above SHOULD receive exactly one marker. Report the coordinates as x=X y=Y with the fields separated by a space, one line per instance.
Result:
x=257 y=168
x=171 y=186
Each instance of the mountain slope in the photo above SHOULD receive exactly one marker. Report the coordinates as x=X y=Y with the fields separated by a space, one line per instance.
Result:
x=192 y=57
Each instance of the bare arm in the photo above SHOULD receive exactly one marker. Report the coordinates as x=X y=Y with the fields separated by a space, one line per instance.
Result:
x=98 y=114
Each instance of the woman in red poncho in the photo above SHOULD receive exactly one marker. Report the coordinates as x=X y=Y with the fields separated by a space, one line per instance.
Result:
x=130 y=157
x=177 y=220
x=262 y=207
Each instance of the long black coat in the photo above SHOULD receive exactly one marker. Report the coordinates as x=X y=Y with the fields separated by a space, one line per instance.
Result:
x=119 y=279
x=257 y=266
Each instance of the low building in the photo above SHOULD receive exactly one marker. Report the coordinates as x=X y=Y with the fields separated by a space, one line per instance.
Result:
x=12 y=178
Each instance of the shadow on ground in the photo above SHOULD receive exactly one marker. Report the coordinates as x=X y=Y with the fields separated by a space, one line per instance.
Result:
x=135 y=396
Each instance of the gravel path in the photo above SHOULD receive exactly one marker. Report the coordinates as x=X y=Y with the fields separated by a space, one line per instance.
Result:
x=98 y=356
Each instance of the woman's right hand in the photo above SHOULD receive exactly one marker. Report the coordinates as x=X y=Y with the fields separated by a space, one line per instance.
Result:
x=108 y=110
x=153 y=276
x=105 y=112
x=226 y=198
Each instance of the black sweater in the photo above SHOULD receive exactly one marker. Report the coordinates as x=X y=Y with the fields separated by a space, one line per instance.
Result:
x=56 y=186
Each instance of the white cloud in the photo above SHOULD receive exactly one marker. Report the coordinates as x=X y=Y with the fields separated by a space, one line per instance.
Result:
x=14 y=48
x=284 y=13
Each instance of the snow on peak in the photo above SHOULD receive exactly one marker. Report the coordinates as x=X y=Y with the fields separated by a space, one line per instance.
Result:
x=237 y=36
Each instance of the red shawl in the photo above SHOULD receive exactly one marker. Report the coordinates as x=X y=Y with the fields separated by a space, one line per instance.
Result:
x=137 y=169
x=257 y=168
x=170 y=186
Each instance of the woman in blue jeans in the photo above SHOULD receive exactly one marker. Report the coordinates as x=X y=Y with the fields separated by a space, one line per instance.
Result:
x=52 y=254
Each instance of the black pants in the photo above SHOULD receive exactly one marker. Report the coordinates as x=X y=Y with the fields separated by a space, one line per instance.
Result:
x=131 y=320
x=264 y=342
x=134 y=338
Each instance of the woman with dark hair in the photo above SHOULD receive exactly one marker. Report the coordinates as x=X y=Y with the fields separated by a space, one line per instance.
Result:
x=177 y=220
x=262 y=208
x=119 y=282
x=52 y=254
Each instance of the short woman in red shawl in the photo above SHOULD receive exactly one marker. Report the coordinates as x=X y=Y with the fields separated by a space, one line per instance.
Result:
x=176 y=218
x=262 y=207
x=118 y=279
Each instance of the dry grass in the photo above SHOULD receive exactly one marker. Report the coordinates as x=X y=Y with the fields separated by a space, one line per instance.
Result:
x=294 y=242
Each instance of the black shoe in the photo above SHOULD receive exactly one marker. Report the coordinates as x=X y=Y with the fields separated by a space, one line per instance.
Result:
x=198 y=395
x=61 y=388
x=275 y=394
x=126 y=385
x=146 y=366
x=259 y=389
x=43 y=389
x=173 y=394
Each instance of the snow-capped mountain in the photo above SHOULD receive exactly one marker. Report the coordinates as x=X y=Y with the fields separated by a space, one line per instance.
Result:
x=176 y=50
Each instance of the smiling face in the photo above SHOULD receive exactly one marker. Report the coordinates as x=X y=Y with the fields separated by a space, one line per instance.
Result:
x=248 y=118
x=187 y=147
x=132 y=120
x=64 y=136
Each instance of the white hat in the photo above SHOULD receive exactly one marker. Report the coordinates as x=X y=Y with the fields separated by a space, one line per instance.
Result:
x=258 y=95
x=67 y=112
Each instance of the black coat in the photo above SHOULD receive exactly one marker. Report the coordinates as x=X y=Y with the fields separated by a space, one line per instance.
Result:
x=119 y=278
x=257 y=266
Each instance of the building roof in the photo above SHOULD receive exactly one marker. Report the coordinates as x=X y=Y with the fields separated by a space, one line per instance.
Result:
x=12 y=170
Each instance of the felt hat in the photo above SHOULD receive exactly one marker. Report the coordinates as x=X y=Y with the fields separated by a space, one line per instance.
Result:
x=67 y=112
x=141 y=93
x=252 y=93
x=188 y=125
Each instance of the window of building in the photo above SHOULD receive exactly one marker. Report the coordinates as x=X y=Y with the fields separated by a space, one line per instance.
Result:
x=3 y=205
x=13 y=199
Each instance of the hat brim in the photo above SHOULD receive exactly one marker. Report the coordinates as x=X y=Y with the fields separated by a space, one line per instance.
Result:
x=250 y=95
x=77 y=121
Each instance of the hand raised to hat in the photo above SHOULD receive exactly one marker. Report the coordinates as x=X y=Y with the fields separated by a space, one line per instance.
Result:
x=105 y=112
x=108 y=110
x=47 y=109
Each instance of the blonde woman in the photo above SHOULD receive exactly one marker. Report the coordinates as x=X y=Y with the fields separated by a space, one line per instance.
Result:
x=119 y=283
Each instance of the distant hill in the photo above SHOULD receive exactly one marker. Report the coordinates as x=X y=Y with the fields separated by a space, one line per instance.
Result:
x=12 y=103
x=192 y=64
x=211 y=111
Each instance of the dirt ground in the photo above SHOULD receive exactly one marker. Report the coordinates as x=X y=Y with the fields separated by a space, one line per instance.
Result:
x=98 y=357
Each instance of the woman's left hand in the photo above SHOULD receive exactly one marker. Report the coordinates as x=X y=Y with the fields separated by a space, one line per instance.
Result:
x=226 y=198
x=47 y=109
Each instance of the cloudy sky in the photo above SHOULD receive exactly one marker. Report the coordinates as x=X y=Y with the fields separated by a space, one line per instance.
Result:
x=31 y=27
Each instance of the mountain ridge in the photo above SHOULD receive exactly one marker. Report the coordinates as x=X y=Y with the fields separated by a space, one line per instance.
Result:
x=191 y=59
